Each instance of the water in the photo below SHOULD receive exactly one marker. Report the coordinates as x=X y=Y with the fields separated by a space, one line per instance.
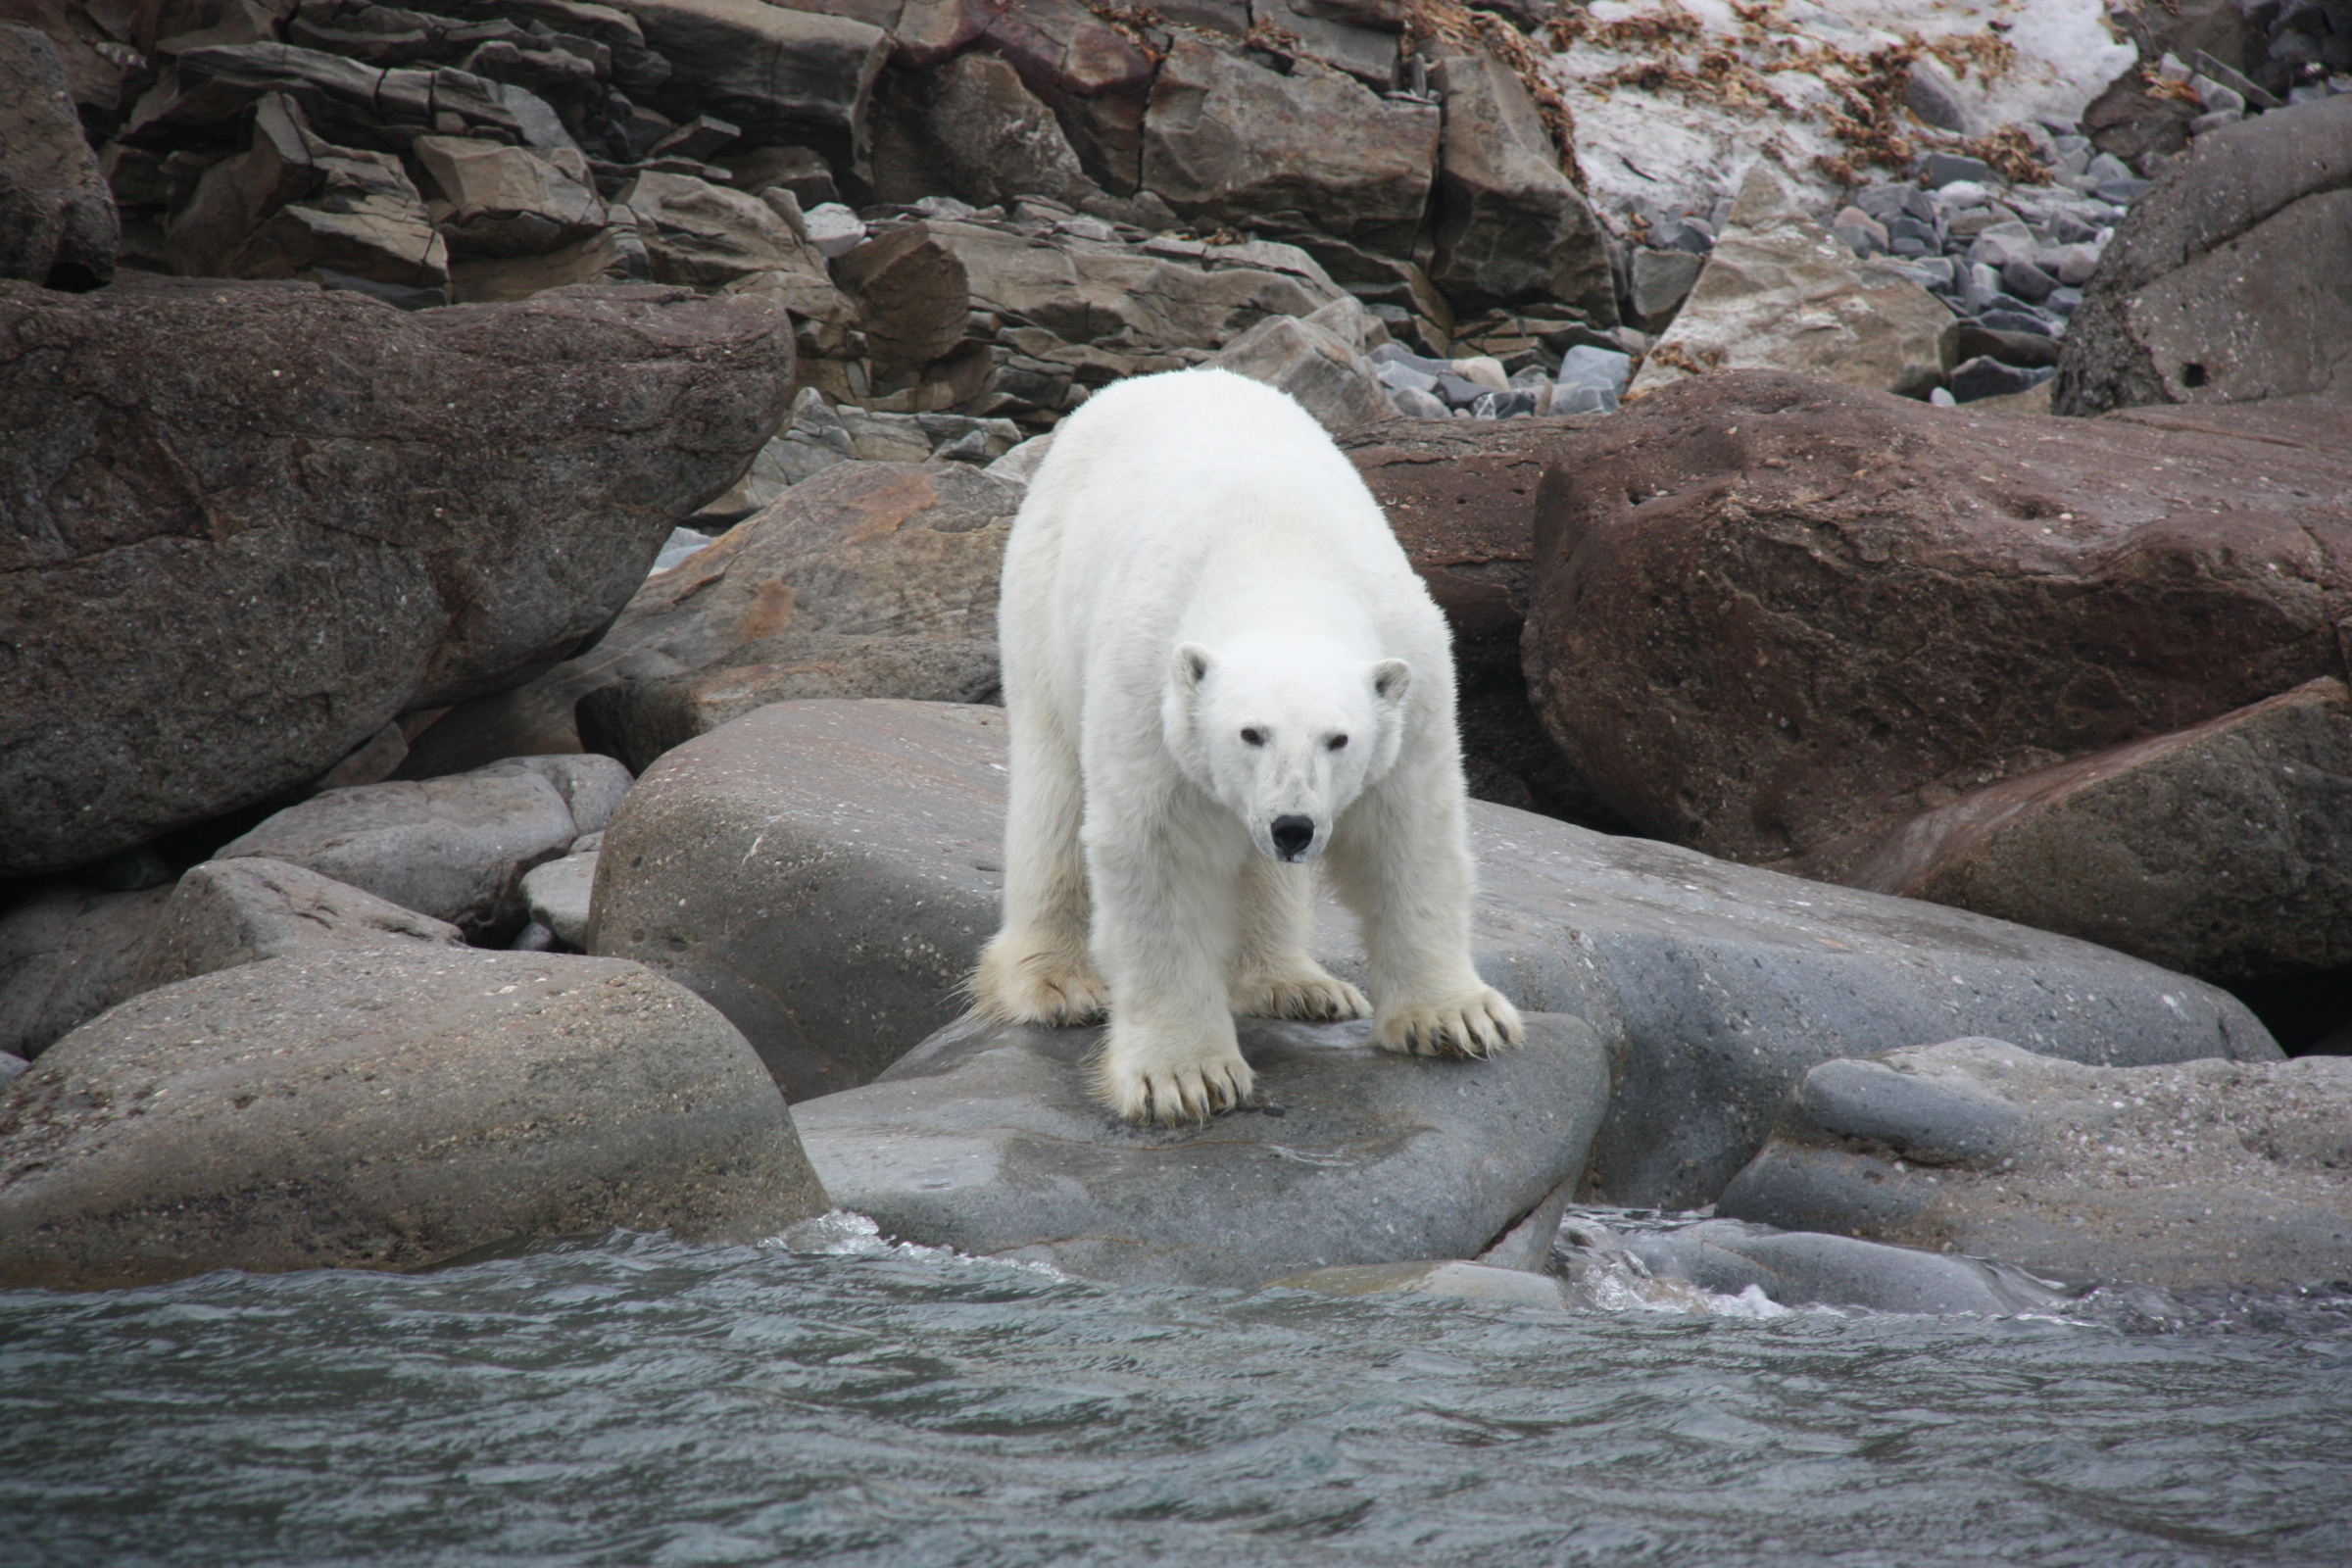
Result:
x=641 y=1401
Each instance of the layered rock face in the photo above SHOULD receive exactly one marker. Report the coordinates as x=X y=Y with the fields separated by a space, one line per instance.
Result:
x=1771 y=613
x=249 y=524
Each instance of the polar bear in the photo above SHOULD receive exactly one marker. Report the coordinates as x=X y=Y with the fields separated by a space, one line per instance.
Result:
x=1218 y=668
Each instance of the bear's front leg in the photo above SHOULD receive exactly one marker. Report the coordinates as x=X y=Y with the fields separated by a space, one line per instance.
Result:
x=1407 y=875
x=1273 y=975
x=1164 y=935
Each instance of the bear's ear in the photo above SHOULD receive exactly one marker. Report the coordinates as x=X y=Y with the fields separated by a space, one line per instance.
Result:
x=1390 y=678
x=1192 y=663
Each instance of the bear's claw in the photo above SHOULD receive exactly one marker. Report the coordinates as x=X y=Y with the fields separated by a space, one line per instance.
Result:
x=1042 y=988
x=1168 y=1095
x=1476 y=1024
x=1316 y=998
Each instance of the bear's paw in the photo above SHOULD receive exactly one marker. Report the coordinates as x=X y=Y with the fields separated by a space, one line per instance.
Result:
x=1038 y=984
x=1476 y=1023
x=1161 y=1086
x=1315 y=997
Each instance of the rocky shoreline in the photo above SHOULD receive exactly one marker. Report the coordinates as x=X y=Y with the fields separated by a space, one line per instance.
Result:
x=498 y=602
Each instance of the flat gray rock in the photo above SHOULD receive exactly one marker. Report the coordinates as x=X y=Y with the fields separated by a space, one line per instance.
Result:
x=2199 y=1174
x=825 y=873
x=223 y=913
x=987 y=1140
x=387 y=1111
x=557 y=894
x=1797 y=1268
x=453 y=848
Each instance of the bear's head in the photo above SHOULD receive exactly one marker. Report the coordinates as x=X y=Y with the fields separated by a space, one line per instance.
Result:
x=1285 y=733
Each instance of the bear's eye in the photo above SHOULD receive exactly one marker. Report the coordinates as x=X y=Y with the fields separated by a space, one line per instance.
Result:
x=1252 y=737
x=1338 y=743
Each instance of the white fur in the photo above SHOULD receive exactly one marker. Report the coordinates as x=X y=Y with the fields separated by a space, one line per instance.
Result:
x=1196 y=559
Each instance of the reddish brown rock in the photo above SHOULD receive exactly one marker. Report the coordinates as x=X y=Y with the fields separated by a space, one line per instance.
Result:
x=2224 y=851
x=1771 y=612
x=247 y=524
x=1460 y=495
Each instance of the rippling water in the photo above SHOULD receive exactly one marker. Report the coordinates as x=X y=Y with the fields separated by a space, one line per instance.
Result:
x=641 y=1401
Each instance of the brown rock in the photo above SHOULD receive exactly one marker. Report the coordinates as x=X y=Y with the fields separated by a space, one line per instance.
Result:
x=1777 y=293
x=786 y=76
x=58 y=223
x=2225 y=282
x=912 y=297
x=510 y=201
x=379 y=1110
x=350 y=104
x=1771 y=612
x=1315 y=365
x=968 y=128
x=859 y=578
x=250 y=524
x=704 y=236
x=1509 y=224
x=1460 y=496
x=1227 y=141
x=291 y=205
x=2224 y=851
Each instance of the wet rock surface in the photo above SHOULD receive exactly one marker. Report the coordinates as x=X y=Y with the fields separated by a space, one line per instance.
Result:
x=2200 y=1173
x=826 y=872
x=380 y=1111
x=986 y=1141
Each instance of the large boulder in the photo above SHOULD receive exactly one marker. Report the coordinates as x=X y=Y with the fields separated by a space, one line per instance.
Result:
x=825 y=873
x=1227 y=141
x=869 y=580
x=381 y=1111
x=989 y=1141
x=2222 y=851
x=1772 y=612
x=249 y=524
x=1779 y=293
x=455 y=848
x=2230 y=281
x=58 y=223
x=970 y=128
x=1511 y=226
x=1806 y=1268
x=1314 y=365
x=2196 y=1174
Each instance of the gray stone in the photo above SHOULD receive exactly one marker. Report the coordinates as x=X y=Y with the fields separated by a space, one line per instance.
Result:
x=1797 y=1268
x=314 y=520
x=453 y=848
x=557 y=897
x=1599 y=368
x=787 y=77
x=2027 y=281
x=1453 y=1280
x=989 y=1141
x=374 y=1111
x=2222 y=285
x=825 y=873
x=1990 y=378
x=1315 y=367
x=226 y=913
x=57 y=222
x=1662 y=279
x=1942 y=168
x=1417 y=405
x=2195 y=1174
x=68 y=953
x=1779 y=293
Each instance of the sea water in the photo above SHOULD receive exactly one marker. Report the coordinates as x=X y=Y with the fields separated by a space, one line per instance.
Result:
x=640 y=1401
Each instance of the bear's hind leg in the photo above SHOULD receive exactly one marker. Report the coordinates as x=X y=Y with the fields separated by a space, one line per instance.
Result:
x=1038 y=968
x=1273 y=975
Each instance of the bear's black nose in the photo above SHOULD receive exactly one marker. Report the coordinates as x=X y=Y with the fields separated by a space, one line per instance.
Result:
x=1291 y=836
